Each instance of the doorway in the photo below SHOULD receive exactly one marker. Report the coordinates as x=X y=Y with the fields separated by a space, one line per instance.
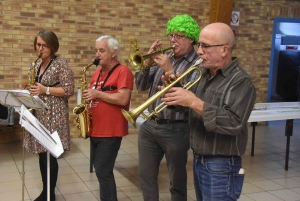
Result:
x=284 y=75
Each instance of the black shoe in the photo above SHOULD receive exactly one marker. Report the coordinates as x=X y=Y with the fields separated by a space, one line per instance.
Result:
x=42 y=197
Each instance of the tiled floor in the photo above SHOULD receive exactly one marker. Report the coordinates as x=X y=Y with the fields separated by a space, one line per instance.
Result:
x=265 y=180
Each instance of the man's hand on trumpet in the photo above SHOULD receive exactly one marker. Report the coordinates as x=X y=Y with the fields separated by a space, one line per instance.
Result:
x=162 y=60
x=180 y=96
x=168 y=78
x=152 y=49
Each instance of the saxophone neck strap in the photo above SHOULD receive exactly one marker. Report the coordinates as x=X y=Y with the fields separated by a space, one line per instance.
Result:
x=107 y=88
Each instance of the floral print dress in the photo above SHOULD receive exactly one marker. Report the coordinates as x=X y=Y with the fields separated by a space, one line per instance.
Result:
x=57 y=117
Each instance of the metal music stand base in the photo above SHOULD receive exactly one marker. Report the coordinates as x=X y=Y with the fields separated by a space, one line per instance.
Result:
x=48 y=176
x=23 y=165
x=23 y=171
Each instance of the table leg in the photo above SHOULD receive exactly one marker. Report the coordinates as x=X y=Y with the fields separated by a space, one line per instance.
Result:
x=288 y=134
x=253 y=137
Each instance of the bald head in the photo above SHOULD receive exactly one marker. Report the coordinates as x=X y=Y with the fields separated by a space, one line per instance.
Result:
x=221 y=33
x=217 y=40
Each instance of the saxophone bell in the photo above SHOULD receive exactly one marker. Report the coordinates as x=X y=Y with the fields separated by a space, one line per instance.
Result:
x=83 y=120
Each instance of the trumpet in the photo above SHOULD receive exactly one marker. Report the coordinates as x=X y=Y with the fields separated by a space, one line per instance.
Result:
x=132 y=115
x=136 y=60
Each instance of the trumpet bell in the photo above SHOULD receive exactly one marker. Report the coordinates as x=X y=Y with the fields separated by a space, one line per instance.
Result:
x=136 y=60
x=130 y=117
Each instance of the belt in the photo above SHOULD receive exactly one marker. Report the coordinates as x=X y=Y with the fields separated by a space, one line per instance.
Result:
x=166 y=121
x=215 y=156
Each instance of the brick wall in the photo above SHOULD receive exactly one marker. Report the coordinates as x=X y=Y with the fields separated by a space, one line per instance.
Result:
x=78 y=23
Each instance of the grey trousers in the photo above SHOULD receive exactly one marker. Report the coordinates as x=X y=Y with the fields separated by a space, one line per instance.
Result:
x=155 y=141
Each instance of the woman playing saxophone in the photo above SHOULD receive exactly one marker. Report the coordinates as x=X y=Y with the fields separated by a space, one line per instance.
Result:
x=54 y=84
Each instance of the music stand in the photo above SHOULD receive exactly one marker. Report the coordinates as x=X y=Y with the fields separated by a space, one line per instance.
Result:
x=20 y=100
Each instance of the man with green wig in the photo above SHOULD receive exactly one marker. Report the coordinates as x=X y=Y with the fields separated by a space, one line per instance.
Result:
x=167 y=133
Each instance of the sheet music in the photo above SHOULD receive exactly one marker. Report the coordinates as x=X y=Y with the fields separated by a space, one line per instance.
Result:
x=16 y=98
x=39 y=102
x=50 y=141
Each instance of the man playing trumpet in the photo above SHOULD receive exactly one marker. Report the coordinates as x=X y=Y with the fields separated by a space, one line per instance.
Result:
x=167 y=133
x=219 y=107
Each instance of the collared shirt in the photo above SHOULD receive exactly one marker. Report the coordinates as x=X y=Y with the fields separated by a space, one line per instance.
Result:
x=151 y=78
x=228 y=98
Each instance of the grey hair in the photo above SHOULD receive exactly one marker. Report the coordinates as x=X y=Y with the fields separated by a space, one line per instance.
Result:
x=112 y=42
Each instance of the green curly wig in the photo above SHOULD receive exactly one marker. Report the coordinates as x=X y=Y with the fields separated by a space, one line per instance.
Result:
x=185 y=24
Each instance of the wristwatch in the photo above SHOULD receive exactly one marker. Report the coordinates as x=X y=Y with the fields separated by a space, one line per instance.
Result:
x=48 y=91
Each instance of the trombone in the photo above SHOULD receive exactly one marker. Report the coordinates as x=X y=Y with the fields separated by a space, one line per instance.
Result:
x=132 y=115
x=136 y=60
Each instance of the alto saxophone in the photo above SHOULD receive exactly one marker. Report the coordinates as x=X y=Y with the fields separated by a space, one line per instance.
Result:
x=31 y=74
x=84 y=117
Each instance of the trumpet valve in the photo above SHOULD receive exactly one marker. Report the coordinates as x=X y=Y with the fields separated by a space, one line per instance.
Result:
x=160 y=49
x=144 y=116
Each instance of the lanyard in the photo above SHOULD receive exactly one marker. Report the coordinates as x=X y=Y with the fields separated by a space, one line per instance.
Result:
x=108 y=75
x=39 y=78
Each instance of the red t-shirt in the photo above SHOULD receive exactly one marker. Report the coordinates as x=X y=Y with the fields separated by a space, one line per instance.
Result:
x=107 y=119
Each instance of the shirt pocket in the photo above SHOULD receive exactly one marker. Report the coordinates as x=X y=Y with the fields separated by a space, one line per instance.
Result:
x=214 y=97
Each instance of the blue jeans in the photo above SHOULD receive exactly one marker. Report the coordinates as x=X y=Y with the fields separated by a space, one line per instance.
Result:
x=217 y=178
x=106 y=151
x=155 y=141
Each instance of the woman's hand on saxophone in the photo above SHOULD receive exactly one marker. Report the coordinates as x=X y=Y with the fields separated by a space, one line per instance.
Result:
x=37 y=89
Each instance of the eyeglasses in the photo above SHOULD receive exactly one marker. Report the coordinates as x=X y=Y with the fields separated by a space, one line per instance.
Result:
x=204 y=47
x=176 y=36
x=42 y=45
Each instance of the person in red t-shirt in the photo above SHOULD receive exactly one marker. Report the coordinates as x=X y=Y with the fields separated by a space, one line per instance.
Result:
x=110 y=91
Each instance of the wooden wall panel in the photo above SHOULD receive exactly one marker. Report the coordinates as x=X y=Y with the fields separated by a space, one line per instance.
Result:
x=220 y=11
